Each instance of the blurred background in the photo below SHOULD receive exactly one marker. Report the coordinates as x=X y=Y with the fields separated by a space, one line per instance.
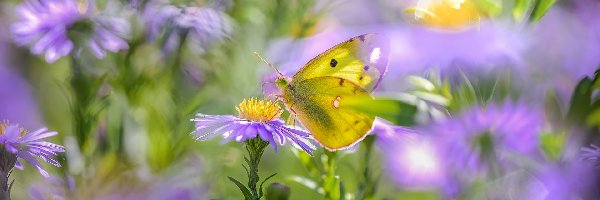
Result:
x=124 y=115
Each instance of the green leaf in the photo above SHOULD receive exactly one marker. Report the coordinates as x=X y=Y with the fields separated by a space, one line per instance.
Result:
x=552 y=144
x=580 y=101
x=421 y=83
x=593 y=118
x=393 y=110
x=552 y=108
x=520 y=9
x=260 y=191
x=243 y=189
x=540 y=8
x=489 y=7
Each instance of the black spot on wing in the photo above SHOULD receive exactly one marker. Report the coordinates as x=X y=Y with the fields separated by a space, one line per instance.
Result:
x=333 y=63
x=342 y=82
x=362 y=38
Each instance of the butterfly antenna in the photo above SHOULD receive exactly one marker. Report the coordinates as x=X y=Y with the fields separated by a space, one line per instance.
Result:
x=270 y=65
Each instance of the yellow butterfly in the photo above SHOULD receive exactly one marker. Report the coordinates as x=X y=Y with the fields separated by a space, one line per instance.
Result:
x=315 y=95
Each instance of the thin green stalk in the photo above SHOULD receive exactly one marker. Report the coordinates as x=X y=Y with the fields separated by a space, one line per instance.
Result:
x=255 y=148
x=331 y=183
x=368 y=183
x=7 y=162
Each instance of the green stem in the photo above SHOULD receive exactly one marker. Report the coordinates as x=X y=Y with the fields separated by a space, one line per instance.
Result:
x=256 y=148
x=330 y=181
x=368 y=185
x=82 y=101
x=7 y=162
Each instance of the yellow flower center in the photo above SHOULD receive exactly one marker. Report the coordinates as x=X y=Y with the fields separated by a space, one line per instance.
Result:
x=3 y=125
x=6 y=123
x=258 y=110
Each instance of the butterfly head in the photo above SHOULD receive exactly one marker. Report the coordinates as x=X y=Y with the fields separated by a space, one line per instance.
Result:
x=282 y=82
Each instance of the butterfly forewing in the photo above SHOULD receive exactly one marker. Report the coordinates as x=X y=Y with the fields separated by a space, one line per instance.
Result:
x=318 y=104
x=362 y=60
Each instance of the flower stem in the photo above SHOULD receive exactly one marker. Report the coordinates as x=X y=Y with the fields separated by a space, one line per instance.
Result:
x=7 y=162
x=256 y=148
x=331 y=182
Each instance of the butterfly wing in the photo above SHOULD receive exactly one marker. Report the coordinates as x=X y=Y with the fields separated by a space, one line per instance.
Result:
x=318 y=104
x=362 y=60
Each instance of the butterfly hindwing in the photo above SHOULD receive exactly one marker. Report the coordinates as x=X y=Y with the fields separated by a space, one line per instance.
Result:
x=318 y=104
x=362 y=60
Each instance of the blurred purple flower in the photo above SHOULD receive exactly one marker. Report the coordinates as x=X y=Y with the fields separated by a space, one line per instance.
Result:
x=52 y=187
x=181 y=182
x=591 y=154
x=257 y=118
x=482 y=136
x=49 y=27
x=16 y=100
x=571 y=180
x=410 y=158
x=201 y=25
x=28 y=145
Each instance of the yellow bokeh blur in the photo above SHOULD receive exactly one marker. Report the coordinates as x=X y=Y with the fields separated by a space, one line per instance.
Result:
x=446 y=14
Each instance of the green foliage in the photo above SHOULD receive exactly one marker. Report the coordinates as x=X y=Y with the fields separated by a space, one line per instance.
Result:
x=490 y=7
x=581 y=101
x=521 y=8
x=540 y=8
x=393 y=110
x=553 y=144
x=243 y=189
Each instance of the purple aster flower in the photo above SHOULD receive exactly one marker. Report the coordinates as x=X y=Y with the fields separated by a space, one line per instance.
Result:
x=591 y=154
x=201 y=25
x=55 y=28
x=410 y=158
x=487 y=136
x=16 y=100
x=256 y=118
x=19 y=143
x=569 y=180
x=52 y=187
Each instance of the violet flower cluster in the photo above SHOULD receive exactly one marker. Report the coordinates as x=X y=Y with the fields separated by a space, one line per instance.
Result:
x=56 y=28
x=199 y=26
x=481 y=142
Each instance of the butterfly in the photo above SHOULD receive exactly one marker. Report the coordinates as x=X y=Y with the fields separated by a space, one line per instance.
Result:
x=317 y=93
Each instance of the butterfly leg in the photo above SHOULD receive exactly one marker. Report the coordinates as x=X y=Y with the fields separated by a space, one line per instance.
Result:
x=292 y=118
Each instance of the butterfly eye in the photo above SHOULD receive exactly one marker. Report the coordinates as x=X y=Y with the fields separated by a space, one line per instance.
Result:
x=333 y=63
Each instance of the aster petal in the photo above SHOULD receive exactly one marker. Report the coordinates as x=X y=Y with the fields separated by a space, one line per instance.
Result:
x=46 y=40
x=290 y=135
x=32 y=161
x=47 y=145
x=206 y=129
x=37 y=135
x=264 y=135
x=18 y=165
